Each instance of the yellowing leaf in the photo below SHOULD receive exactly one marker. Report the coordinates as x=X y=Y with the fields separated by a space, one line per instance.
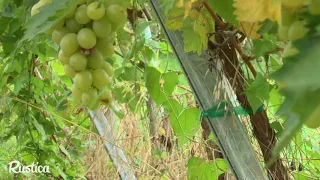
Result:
x=257 y=10
x=174 y=20
x=250 y=29
x=179 y=4
x=187 y=9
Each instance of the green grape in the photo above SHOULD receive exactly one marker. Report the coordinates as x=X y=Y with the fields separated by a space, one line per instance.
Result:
x=288 y=16
x=283 y=32
x=297 y=30
x=95 y=61
x=94 y=12
x=69 y=43
x=78 y=61
x=63 y=57
x=58 y=34
x=105 y=47
x=313 y=120
x=76 y=93
x=71 y=12
x=116 y=13
x=292 y=3
x=73 y=25
x=108 y=3
x=86 y=38
x=116 y=26
x=100 y=78
x=35 y=8
x=83 y=80
x=290 y=50
x=70 y=72
x=102 y=27
x=106 y=98
x=55 y=26
x=87 y=1
x=81 y=15
x=314 y=7
x=107 y=67
x=90 y=99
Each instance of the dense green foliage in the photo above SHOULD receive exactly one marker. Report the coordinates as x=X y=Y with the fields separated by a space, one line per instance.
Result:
x=43 y=115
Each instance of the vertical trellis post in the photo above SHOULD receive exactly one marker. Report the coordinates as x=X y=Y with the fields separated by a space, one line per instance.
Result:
x=105 y=129
x=232 y=137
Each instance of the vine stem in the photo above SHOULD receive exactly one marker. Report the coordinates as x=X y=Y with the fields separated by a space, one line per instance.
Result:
x=213 y=14
x=233 y=41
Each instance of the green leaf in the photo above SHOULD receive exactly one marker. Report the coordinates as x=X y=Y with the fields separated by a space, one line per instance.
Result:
x=278 y=127
x=8 y=43
x=174 y=19
x=192 y=41
x=302 y=71
x=225 y=9
x=275 y=62
x=167 y=5
x=174 y=108
x=49 y=15
x=276 y=98
x=261 y=46
x=131 y=74
x=199 y=169
x=139 y=31
x=257 y=91
x=19 y=83
x=302 y=175
x=153 y=85
x=39 y=128
x=254 y=102
x=269 y=27
x=187 y=125
x=222 y=164
x=63 y=149
x=171 y=80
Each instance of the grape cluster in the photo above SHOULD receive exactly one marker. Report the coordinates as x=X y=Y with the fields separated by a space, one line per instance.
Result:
x=292 y=28
x=85 y=37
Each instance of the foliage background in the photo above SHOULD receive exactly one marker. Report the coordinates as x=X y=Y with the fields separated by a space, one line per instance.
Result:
x=156 y=118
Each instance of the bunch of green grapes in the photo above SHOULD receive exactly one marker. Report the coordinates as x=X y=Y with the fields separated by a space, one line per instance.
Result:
x=292 y=28
x=86 y=36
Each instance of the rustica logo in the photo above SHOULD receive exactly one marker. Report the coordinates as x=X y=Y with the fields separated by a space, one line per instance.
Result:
x=16 y=167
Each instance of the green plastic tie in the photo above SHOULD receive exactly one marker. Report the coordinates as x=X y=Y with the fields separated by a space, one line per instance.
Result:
x=221 y=110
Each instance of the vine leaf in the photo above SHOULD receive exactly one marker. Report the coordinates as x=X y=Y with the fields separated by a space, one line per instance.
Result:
x=183 y=122
x=174 y=108
x=153 y=85
x=192 y=41
x=186 y=125
x=225 y=9
x=49 y=15
x=171 y=80
x=276 y=98
x=261 y=46
x=301 y=72
x=250 y=29
x=174 y=20
x=167 y=5
x=257 y=92
x=19 y=83
x=263 y=10
x=198 y=168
